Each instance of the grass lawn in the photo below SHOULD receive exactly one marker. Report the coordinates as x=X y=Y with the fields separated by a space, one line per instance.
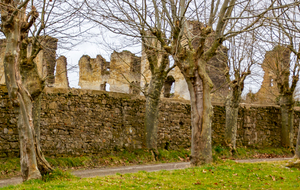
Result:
x=10 y=167
x=222 y=175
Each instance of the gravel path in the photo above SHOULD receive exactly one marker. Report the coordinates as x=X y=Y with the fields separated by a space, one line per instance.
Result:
x=133 y=169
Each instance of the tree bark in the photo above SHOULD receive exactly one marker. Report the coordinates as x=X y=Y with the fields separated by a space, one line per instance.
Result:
x=43 y=165
x=15 y=65
x=34 y=85
x=297 y=151
x=287 y=117
x=232 y=109
x=200 y=87
x=151 y=115
x=21 y=100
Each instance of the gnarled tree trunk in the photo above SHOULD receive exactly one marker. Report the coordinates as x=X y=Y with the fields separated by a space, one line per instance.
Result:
x=287 y=117
x=17 y=68
x=232 y=109
x=21 y=102
x=151 y=115
x=200 y=87
x=43 y=165
x=297 y=151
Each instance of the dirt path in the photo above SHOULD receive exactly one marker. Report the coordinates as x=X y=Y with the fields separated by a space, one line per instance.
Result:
x=133 y=169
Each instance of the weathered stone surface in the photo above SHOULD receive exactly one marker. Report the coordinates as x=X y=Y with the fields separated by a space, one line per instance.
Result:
x=272 y=64
x=125 y=69
x=93 y=72
x=61 y=78
x=45 y=60
x=2 y=51
x=85 y=122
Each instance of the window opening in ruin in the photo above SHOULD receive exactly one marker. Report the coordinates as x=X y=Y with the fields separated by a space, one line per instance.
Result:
x=133 y=87
x=271 y=83
x=171 y=61
x=172 y=91
x=107 y=87
x=169 y=87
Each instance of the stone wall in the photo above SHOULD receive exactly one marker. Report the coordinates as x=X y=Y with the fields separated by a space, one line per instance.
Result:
x=85 y=122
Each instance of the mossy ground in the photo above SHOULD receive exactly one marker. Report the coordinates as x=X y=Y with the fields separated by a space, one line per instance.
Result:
x=10 y=167
x=221 y=175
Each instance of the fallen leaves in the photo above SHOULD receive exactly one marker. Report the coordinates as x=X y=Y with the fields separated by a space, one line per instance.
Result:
x=273 y=178
x=197 y=183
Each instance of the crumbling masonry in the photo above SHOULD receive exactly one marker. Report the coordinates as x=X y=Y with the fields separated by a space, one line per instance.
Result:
x=46 y=62
x=272 y=65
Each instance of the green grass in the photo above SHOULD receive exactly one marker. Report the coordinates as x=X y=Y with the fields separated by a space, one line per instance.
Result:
x=10 y=167
x=58 y=175
x=220 y=152
x=224 y=175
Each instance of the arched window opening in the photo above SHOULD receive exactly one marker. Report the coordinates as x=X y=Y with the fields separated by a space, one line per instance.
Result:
x=169 y=87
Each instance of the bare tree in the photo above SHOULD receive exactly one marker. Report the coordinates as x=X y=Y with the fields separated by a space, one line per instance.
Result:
x=138 y=21
x=24 y=25
x=283 y=33
x=241 y=59
x=192 y=33
x=287 y=30
x=221 y=21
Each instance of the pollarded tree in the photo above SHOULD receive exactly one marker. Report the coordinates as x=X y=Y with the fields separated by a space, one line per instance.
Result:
x=192 y=34
x=138 y=20
x=284 y=36
x=219 y=21
x=241 y=59
x=15 y=24
x=24 y=24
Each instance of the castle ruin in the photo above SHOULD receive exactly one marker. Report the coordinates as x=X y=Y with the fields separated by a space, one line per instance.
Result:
x=128 y=73
x=275 y=61
x=45 y=61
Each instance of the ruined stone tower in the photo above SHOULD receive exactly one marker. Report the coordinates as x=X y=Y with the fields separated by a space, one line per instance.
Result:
x=274 y=62
x=61 y=78
x=93 y=73
x=125 y=72
x=45 y=60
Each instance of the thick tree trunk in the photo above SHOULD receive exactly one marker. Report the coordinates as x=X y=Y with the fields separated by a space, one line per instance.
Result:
x=287 y=117
x=151 y=115
x=201 y=150
x=43 y=165
x=21 y=101
x=15 y=62
x=297 y=151
x=232 y=109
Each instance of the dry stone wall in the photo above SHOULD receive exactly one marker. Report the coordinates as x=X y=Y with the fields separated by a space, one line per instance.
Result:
x=78 y=122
